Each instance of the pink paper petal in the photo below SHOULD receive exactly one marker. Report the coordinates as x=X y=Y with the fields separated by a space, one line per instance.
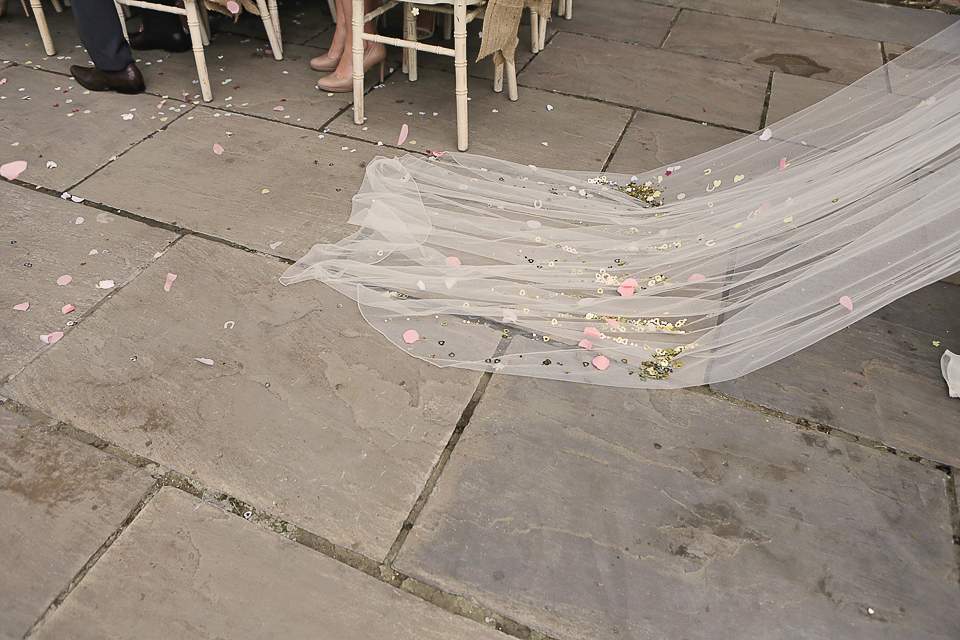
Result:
x=12 y=170
x=846 y=303
x=280 y=108
x=586 y=344
x=630 y=282
x=624 y=290
x=410 y=336
x=591 y=332
x=170 y=278
x=3 y=81
x=601 y=362
x=783 y=164
x=452 y=261
x=233 y=7
x=404 y=130
x=766 y=206
x=218 y=149
x=52 y=337
x=696 y=277
x=64 y=280
x=67 y=308
x=613 y=323
x=23 y=306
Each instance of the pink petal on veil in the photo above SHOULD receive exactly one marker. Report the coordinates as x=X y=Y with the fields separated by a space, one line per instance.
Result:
x=696 y=277
x=452 y=261
x=846 y=303
x=404 y=130
x=592 y=332
x=624 y=290
x=410 y=336
x=586 y=344
x=601 y=362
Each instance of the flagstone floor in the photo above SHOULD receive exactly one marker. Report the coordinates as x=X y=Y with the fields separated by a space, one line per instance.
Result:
x=315 y=482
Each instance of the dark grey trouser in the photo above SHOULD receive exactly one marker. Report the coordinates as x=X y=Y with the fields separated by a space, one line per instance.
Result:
x=98 y=26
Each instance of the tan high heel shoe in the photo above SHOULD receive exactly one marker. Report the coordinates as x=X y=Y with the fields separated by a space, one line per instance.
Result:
x=374 y=55
x=325 y=63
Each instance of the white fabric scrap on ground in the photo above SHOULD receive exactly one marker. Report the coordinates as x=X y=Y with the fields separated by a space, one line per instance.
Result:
x=950 y=366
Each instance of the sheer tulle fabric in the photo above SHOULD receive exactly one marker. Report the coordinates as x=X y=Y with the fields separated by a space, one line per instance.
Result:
x=759 y=248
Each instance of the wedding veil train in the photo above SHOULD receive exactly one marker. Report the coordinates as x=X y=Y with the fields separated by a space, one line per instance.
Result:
x=681 y=276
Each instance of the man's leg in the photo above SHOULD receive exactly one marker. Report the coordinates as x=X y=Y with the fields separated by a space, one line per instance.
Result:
x=160 y=22
x=98 y=26
x=100 y=31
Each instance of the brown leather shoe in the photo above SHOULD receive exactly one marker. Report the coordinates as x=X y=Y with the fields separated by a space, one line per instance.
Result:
x=128 y=80
x=170 y=42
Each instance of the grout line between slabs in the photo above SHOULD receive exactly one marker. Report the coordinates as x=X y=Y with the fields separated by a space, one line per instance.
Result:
x=951 y=488
x=92 y=561
x=441 y=463
x=810 y=425
x=616 y=145
x=766 y=102
x=165 y=477
x=670 y=28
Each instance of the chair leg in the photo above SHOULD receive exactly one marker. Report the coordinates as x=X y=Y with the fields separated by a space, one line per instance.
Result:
x=448 y=26
x=534 y=31
x=460 y=65
x=193 y=24
x=357 y=46
x=275 y=15
x=410 y=33
x=123 y=22
x=44 y=29
x=543 y=33
x=512 y=79
x=569 y=13
x=497 y=74
x=269 y=28
x=57 y=6
x=204 y=24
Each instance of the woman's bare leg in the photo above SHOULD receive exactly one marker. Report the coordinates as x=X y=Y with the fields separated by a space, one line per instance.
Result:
x=344 y=70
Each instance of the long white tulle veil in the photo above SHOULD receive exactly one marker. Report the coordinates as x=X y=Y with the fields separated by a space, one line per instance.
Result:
x=690 y=274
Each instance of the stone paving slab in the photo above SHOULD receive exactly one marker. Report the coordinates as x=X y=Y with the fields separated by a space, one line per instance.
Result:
x=687 y=86
x=757 y=9
x=41 y=231
x=60 y=501
x=53 y=118
x=802 y=52
x=578 y=134
x=590 y=512
x=307 y=412
x=622 y=20
x=864 y=19
x=654 y=141
x=21 y=38
x=878 y=378
x=184 y=569
x=310 y=181
x=790 y=94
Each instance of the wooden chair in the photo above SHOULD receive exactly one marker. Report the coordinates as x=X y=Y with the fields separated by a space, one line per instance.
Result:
x=41 y=19
x=461 y=17
x=198 y=25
